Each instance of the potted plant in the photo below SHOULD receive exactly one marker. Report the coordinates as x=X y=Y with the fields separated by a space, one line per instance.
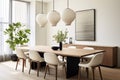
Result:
x=18 y=35
x=60 y=37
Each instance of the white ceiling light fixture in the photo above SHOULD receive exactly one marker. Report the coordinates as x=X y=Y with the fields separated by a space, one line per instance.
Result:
x=53 y=16
x=41 y=18
x=68 y=15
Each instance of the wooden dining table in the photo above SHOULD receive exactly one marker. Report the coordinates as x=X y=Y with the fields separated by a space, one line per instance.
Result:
x=73 y=56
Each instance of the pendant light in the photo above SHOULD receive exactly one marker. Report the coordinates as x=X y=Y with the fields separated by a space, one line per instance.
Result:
x=53 y=16
x=68 y=15
x=41 y=18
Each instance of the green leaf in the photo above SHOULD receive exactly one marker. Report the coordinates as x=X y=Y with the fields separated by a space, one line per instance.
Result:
x=16 y=35
x=27 y=31
x=60 y=36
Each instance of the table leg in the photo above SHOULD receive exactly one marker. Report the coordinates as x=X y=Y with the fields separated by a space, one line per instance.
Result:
x=72 y=66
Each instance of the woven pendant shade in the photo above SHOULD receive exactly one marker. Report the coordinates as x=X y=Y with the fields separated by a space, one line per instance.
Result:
x=53 y=16
x=68 y=15
x=41 y=18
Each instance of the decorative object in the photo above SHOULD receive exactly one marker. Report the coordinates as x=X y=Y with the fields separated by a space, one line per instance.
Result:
x=53 y=16
x=41 y=18
x=55 y=47
x=68 y=15
x=60 y=37
x=70 y=40
x=18 y=35
x=85 y=25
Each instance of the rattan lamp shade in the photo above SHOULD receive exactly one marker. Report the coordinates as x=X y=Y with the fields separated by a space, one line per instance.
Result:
x=53 y=17
x=41 y=19
x=68 y=16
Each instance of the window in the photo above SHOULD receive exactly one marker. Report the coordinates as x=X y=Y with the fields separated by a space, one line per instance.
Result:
x=11 y=11
x=4 y=21
x=20 y=12
x=4 y=11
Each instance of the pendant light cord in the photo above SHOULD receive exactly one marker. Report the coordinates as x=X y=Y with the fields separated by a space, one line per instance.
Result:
x=53 y=5
x=42 y=6
x=67 y=3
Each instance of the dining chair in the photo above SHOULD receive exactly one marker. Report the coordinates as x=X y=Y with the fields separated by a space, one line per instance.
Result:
x=88 y=57
x=35 y=57
x=21 y=56
x=26 y=52
x=51 y=59
x=93 y=63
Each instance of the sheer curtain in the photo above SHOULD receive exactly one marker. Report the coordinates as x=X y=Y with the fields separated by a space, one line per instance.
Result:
x=11 y=11
x=5 y=51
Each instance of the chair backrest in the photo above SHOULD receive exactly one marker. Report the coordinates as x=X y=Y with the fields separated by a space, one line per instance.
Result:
x=24 y=49
x=88 y=48
x=20 y=53
x=96 y=59
x=51 y=58
x=34 y=55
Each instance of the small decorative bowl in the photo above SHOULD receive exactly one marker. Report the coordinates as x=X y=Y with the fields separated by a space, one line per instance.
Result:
x=55 y=47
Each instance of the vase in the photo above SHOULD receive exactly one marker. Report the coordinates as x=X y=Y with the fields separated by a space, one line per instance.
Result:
x=60 y=45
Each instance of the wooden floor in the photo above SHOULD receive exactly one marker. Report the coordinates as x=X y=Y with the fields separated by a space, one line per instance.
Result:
x=8 y=72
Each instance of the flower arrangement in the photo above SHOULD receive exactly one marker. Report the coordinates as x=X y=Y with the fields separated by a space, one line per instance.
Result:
x=60 y=36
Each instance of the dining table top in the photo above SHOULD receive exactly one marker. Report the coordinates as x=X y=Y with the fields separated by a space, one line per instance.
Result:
x=74 y=52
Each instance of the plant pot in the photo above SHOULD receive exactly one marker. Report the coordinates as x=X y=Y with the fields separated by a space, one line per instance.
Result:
x=14 y=57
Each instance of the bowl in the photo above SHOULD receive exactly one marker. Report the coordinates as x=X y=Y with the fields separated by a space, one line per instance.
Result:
x=55 y=47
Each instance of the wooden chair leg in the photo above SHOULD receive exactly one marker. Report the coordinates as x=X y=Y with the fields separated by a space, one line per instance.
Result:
x=65 y=70
x=46 y=70
x=23 y=65
x=56 y=72
x=38 y=68
x=17 y=64
x=30 y=66
x=87 y=70
x=93 y=73
x=62 y=58
x=100 y=72
x=79 y=73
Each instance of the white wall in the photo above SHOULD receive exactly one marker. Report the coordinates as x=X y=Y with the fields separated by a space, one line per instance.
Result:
x=32 y=22
x=107 y=21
